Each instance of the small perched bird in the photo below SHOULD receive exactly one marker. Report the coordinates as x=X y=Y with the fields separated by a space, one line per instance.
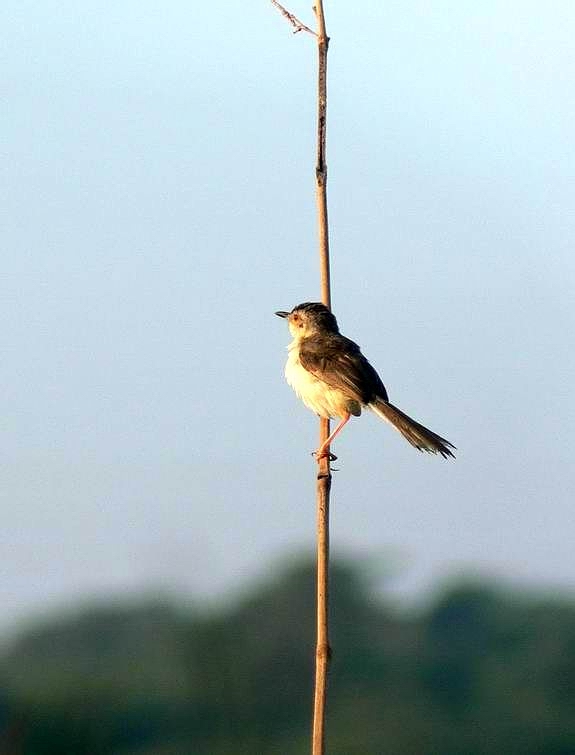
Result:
x=333 y=379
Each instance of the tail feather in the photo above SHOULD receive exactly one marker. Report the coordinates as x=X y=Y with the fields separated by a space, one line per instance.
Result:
x=418 y=435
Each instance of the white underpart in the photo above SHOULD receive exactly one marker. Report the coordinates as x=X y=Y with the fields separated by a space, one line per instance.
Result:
x=315 y=394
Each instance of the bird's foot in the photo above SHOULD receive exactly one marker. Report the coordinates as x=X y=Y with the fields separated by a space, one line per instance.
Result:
x=319 y=455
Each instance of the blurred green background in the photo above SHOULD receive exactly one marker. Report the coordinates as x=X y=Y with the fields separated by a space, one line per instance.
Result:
x=478 y=670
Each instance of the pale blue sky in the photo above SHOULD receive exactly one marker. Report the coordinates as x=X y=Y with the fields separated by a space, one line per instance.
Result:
x=158 y=207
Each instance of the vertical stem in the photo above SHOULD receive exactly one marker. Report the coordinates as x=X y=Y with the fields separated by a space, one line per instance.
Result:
x=324 y=474
x=321 y=165
x=323 y=651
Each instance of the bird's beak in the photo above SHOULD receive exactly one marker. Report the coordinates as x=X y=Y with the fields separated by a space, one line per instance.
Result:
x=282 y=314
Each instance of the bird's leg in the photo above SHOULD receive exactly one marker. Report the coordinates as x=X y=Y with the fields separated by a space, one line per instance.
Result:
x=321 y=451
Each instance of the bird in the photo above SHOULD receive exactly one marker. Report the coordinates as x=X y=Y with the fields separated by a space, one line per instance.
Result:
x=332 y=377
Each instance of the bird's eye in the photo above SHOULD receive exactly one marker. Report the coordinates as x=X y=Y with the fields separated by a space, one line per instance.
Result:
x=295 y=318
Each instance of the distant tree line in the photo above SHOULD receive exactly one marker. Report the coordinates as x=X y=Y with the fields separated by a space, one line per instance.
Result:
x=478 y=672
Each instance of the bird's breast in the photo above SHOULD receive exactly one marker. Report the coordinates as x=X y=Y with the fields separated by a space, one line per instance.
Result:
x=315 y=394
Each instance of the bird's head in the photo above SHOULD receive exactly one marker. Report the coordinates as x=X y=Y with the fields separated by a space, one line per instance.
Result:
x=309 y=319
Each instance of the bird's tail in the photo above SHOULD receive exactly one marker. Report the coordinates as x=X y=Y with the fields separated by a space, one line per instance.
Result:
x=418 y=435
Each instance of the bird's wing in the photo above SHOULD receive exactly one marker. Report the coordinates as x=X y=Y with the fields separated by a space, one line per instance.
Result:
x=339 y=362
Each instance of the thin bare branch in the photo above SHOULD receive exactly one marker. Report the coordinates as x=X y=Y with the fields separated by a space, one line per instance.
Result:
x=295 y=22
x=323 y=489
x=323 y=485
